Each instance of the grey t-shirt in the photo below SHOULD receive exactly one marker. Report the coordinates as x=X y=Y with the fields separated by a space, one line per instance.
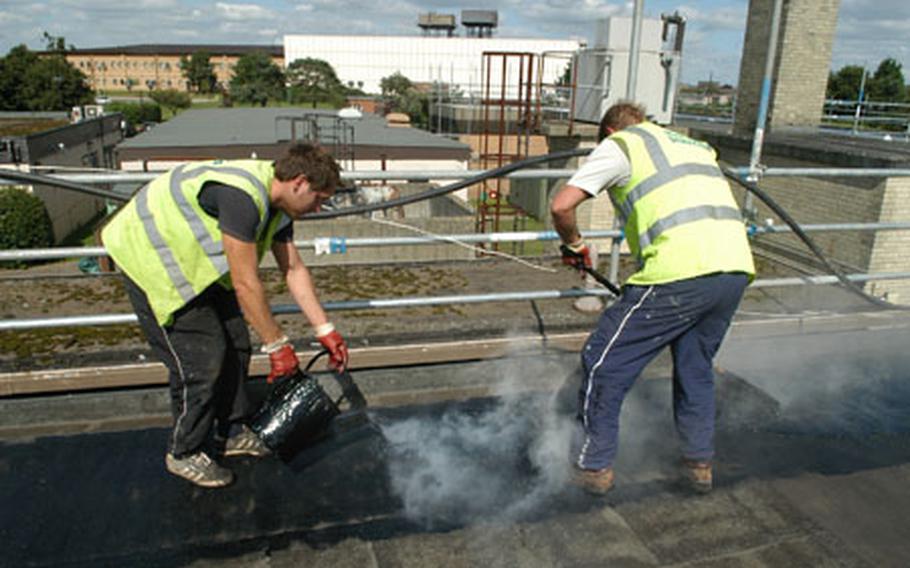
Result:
x=237 y=213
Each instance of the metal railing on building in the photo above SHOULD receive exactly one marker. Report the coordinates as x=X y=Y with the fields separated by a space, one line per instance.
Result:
x=340 y=244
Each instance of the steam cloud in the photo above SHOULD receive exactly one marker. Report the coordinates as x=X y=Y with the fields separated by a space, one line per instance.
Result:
x=501 y=461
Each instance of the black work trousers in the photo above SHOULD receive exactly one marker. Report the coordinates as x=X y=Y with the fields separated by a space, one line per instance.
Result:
x=206 y=349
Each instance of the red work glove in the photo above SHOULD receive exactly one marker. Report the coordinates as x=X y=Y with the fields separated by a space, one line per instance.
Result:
x=333 y=342
x=576 y=255
x=283 y=361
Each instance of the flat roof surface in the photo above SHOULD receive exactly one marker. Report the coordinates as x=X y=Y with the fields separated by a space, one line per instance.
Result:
x=236 y=126
x=812 y=469
x=839 y=147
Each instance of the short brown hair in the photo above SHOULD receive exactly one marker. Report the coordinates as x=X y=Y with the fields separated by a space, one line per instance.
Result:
x=317 y=165
x=621 y=115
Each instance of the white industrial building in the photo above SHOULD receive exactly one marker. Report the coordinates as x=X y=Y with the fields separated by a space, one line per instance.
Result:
x=603 y=68
x=366 y=60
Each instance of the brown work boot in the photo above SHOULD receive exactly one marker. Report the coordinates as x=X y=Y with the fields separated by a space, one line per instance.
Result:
x=594 y=481
x=697 y=475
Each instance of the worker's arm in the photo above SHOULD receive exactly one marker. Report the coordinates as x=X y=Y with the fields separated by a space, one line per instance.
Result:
x=606 y=167
x=244 y=265
x=300 y=283
x=575 y=252
x=563 y=209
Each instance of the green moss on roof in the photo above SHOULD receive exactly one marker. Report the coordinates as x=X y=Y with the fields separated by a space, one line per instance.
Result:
x=20 y=127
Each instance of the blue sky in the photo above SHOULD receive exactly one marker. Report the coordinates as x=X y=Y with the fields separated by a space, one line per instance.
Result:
x=867 y=31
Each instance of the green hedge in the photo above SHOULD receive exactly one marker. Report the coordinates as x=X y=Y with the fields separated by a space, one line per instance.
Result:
x=136 y=114
x=24 y=222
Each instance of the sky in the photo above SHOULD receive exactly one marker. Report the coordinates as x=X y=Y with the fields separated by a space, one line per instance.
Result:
x=867 y=30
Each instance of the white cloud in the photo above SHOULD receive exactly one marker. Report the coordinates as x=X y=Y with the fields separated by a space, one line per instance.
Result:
x=244 y=12
x=867 y=31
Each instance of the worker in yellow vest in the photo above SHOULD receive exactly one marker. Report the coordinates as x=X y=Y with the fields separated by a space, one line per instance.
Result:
x=189 y=245
x=684 y=228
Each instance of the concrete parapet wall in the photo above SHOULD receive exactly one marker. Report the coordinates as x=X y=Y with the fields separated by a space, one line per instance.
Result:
x=811 y=200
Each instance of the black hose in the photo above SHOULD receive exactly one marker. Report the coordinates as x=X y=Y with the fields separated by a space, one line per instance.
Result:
x=436 y=192
x=498 y=172
x=797 y=230
x=63 y=184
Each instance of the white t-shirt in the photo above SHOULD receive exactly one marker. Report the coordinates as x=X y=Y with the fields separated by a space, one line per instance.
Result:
x=606 y=166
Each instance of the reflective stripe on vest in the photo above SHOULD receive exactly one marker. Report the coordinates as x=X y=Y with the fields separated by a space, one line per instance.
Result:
x=664 y=174
x=686 y=216
x=170 y=247
x=178 y=278
x=213 y=250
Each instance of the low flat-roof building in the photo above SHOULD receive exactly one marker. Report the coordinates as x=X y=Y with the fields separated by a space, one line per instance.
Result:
x=361 y=143
x=43 y=141
x=157 y=66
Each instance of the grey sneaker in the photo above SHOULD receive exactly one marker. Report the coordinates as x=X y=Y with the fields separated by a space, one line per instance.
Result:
x=199 y=469
x=246 y=443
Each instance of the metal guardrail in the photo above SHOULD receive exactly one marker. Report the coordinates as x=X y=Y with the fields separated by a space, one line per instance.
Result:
x=386 y=175
x=341 y=244
x=424 y=175
x=416 y=302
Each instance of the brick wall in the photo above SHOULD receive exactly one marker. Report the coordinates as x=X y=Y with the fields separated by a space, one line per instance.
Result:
x=837 y=200
x=801 y=70
x=891 y=249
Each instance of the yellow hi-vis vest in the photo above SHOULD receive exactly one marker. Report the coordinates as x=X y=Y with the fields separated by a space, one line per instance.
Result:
x=170 y=247
x=679 y=215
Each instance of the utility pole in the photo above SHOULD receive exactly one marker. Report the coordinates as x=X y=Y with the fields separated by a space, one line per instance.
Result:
x=859 y=101
x=634 y=50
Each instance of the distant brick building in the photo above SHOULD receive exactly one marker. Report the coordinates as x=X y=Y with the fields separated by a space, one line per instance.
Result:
x=157 y=66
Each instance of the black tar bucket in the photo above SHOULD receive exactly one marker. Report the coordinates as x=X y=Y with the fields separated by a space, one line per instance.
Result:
x=298 y=412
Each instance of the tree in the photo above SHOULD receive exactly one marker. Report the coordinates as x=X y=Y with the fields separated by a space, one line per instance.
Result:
x=565 y=79
x=395 y=85
x=844 y=85
x=55 y=44
x=13 y=68
x=136 y=114
x=172 y=99
x=199 y=72
x=401 y=96
x=32 y=82
x=257 y=79
x=314 y=81
x=887 y=84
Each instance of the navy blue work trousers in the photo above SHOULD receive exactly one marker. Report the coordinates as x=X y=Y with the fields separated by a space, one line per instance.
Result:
x=692 y=317
x=206 y=349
